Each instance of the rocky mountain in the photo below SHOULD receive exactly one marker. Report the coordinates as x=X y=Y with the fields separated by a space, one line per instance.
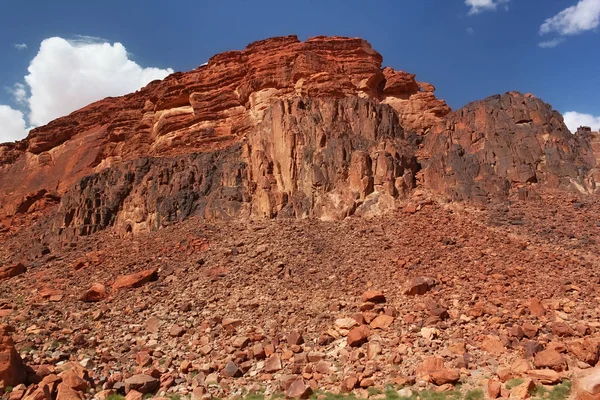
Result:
x=295 y=217
x=211 y=108
x=283 y=128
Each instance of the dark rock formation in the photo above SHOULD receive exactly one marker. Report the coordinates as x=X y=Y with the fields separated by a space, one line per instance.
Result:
x=481 y=150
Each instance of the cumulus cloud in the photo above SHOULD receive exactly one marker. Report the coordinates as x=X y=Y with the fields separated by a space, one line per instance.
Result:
x=574 y=120
x=20 y=46
x=549 y=44
x=19 y=93
x=477 y=6
x=12 y=124
x=66 y=75
x=583 y=16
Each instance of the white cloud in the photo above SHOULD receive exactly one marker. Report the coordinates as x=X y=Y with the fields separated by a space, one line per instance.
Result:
x=574 y=120
x=470 y=31
x=12 y=124
x=19 y=92
x=478 y=6
x=549 y=44
x=67 y=75
x=20 y=46
x=583 y=16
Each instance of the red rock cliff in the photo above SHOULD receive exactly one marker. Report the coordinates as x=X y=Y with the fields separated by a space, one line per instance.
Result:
x=209 y=108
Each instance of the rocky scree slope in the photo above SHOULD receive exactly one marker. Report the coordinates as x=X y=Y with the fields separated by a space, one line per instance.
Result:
x=225 y=300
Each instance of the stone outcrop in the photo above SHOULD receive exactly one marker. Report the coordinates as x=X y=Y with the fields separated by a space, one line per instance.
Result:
x=481 y=150
x=210 y=108
x=324 y=158
x=328 y=159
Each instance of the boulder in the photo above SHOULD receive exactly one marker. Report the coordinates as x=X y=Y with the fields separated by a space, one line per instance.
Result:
x=135 y=280
x=373 y=296
x=419 y=285
x=358 y=336
x=141 y=383
x=551 y=359
x=12 y=369
x=97 y=292
x=586 y=385
x=11 y=271
x=298 y=390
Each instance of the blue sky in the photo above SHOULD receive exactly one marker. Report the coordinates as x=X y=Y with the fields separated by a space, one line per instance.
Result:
x=469 y=49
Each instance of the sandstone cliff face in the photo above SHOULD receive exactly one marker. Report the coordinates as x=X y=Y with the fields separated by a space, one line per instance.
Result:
x=481 y=150
x=328 y=158
x=322 y=158
x=210 y=108
x=284 y=129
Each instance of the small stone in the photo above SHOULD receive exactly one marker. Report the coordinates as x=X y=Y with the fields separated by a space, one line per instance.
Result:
x=97 y=292
x=545 y=376
x=134 y=395
x=345 y=323
x=382 y=321
x=152 y=324
x=64 y=392
x=561 y=329
x=536 y=308
x=517 y=332
x=176 y=331
x=358 y=336
x=530 y=330
x=550 y=359
x=373 y=296
x=185 y=366
x=73 y=381
x=445 y=376
x=258 y=351
x=299 y=390
x=142 y=383
x=11 y=271
x=493 y=389
x=241 y=342
x=323 y=367
x=493 y=346
x=524 y=390
x=135 y=280
x=295 y=338
x=143 y=359
x=232 y=370
x=273 y=364
x=349 y=384
x=419 y=286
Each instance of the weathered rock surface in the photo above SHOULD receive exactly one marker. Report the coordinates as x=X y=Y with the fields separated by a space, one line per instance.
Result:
x=322 y=158
x=209 y=108
x=481 y=150
x=11 y=271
